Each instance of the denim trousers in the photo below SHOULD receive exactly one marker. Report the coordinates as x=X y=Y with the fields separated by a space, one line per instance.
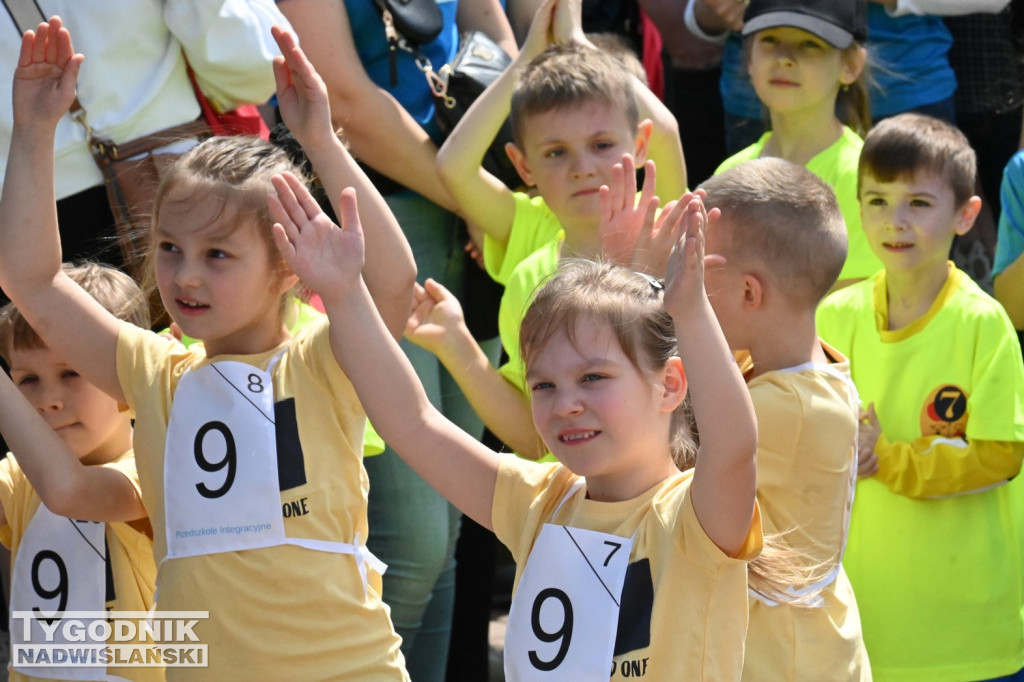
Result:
x=413 y=529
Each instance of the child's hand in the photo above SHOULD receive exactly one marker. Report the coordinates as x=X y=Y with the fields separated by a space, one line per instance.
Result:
x=328 y=259
x=867 y=438
x=567 y=24
x=44 y=82
x=301 y=93
x=684 y=275
x=436 y=314
x=623 y=218
x=539 y=37
x=654 y=244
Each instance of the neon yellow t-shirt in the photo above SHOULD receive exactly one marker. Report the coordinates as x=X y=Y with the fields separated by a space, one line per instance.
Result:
x=938 y=581
x=836 y=165
x=522 y=265
x=129 y=547
x=689 y=621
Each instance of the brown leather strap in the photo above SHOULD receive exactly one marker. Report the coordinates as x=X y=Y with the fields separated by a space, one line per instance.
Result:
x=147 y=143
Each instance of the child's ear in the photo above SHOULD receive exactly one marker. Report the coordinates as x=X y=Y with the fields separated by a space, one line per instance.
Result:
x=966 y=215
x=518 y=159
x=643 y=141
x=853 y=64
x=674 y=385
x=753 y=292
x=288 y=279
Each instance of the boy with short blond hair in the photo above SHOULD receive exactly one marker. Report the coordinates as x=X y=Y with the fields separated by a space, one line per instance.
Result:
x=775 y=251
x=935 y=551
x=71 y=458
x=576 y=113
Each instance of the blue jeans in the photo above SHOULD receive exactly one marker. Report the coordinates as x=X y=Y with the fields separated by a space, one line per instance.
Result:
x=412 y=528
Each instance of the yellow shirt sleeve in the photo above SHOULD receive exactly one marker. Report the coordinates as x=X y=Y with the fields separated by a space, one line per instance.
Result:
x=935 y=466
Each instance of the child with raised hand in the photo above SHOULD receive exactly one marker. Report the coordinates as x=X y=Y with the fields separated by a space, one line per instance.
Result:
x=779 y=245
x=249 y=445
x=576 y=112
x=806 y=63
x=70 y=507
x=935 y=549
x=614 y=520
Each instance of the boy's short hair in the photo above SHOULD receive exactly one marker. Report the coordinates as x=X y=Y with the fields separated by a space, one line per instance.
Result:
x=113 y=289
x=570 y=75
x=910 y=143
x=785 y=217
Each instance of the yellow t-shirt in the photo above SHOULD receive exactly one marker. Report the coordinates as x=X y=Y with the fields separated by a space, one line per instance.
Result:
x=694 y=624
x=836 y=165
x=129 y=550
x=284 y=609
x=938 y=581
x=806 y=472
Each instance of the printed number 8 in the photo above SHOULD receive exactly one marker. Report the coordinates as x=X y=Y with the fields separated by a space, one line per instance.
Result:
x=230 y=459
x=564 y=633
x=61 y=591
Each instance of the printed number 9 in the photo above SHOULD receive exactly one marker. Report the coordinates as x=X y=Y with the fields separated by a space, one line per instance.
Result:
x=61 y=591
x=564 y=633
x=230 y=458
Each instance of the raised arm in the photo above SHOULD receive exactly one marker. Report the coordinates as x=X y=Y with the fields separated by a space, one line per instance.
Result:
x=66 y=486
x=482 y=198
x=302 y=96
x=379 y=131
x=329 y=260
x=437 y=325
x=69 y=320
x=725 y=478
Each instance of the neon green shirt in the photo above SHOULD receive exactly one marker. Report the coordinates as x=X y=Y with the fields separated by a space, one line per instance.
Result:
x=936 y=544
x=836 y=165
x=522 y=265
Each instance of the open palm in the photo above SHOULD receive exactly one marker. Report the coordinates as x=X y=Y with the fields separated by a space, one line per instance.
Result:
x=44 y=81
x=327 y=258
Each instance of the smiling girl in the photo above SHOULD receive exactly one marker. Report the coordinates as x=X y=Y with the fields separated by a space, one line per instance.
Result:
x=624 y=563
x=249 y=446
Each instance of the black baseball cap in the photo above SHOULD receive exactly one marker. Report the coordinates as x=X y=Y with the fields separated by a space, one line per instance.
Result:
x=837 y=22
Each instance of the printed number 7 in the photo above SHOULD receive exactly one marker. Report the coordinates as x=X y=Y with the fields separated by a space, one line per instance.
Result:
x=615 y=548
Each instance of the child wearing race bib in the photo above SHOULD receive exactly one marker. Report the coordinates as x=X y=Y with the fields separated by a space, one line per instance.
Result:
x=70 y=507
x=249 y=444
x=626 y=565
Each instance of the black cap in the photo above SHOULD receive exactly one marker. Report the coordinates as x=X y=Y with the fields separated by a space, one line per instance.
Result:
x=837 y=22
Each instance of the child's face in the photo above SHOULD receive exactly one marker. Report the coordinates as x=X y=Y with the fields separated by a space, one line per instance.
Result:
x=598 y=414
x=568 y=153
x=910 y=223
x=215 y=276
x=87 y=419
x=793 y=70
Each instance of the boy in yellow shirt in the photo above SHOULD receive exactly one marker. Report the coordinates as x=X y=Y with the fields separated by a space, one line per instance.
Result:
x=935 y=550
x=777 y=248
x=576 y=113
x=72 y=459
